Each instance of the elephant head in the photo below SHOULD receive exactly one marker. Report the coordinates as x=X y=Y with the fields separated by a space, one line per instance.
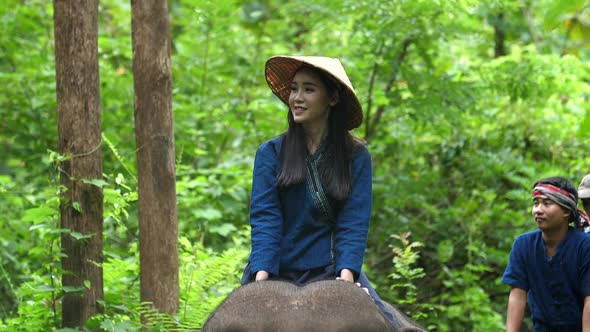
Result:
x=324 y=306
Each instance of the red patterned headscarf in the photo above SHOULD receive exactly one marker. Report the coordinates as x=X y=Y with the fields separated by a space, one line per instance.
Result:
x=563 y=198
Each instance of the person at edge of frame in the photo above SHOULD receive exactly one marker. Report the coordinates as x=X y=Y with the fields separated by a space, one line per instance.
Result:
x=584 y=196
x=549 y=268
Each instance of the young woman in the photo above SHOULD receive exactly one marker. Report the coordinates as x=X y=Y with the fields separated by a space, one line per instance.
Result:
x=312 y=185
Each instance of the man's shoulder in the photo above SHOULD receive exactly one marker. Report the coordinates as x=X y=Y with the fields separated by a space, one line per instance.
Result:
x=580 y=236
x=528 y=240
x=579 y=233
x=530 y=236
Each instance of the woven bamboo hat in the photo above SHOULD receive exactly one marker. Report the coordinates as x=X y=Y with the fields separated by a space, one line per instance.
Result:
x=280 y=70
x=584 y=188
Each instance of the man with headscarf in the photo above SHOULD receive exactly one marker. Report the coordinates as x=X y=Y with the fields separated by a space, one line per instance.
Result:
x=550 y=267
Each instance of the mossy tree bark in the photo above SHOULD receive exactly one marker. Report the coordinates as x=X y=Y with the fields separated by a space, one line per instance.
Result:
x=154 y=133
x=79 y=127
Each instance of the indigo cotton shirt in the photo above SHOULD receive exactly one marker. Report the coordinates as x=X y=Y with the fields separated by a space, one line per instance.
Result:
x=556 y=285
x=287 y=231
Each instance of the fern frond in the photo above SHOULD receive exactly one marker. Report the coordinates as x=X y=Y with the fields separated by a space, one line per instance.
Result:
x=118 y=156
x=206 y=283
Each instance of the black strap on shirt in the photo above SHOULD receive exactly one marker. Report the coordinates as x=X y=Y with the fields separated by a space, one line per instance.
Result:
x=314 y=184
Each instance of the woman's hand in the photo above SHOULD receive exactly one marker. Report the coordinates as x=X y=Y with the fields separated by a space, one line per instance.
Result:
x=261 y=275
x=346 y=275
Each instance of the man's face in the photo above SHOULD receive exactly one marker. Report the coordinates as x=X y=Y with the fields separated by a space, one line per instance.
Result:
x=549 y=215
x=586 y=204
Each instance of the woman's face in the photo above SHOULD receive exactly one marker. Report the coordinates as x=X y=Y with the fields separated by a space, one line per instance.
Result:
x=310 y=100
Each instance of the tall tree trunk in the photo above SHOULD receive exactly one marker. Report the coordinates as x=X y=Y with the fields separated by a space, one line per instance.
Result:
x=78 y=108
x=154 y=133
x=499 y=35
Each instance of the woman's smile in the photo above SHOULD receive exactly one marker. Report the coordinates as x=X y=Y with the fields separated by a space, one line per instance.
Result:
x=299 y=110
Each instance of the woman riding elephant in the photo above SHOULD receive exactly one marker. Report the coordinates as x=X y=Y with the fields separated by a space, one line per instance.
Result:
x=312 y=185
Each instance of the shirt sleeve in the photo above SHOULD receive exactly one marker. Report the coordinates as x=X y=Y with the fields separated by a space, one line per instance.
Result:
x=585 y=267
x=515 y=273
x=352 y=224
x=266 y=216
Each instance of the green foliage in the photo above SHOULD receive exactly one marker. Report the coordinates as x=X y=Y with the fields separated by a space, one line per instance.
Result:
x=206 y=279
x=37 y=307
x=213 y=200
x=203 y=285
x=457 y=137
x=406 y=275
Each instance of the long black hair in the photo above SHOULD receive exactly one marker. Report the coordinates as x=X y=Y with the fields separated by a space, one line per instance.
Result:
x=335 y=168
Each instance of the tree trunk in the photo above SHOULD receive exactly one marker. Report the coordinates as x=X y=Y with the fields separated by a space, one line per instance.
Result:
x=79 y=127
x=499 y=36
x=154 y=133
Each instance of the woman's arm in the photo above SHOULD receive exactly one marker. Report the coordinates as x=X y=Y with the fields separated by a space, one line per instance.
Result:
x=515 y=310
x=266 y=216
x=352 y=224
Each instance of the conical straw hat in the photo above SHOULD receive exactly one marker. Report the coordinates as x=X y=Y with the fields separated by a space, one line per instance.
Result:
x=280 y=70
x=584 y=188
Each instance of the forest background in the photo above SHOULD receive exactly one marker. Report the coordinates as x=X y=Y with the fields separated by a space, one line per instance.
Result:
x=466 y=104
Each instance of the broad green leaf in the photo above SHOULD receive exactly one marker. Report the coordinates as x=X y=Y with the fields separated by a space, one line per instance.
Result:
x=207 y=214
x=79 y=236
x=185 y=243
x=224 y=229
x=96 y=182
x=72 y=289
x=560 y=10
x=38 y=214
x=94 y=322
x=45 y=288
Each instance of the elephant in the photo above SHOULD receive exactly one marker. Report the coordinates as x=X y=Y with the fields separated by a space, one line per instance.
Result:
x=326 y=305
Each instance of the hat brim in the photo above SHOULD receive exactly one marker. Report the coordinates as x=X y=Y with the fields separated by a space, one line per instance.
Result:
x=584 y=193
x=280 y=70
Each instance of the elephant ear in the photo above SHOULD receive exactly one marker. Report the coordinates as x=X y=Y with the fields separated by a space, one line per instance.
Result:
x=321 y=306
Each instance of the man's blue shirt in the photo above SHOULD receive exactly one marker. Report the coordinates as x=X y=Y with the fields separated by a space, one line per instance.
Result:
x=556 y=285
x=286 y=232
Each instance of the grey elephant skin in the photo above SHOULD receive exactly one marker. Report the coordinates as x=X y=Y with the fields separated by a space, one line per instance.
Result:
x=281 y=306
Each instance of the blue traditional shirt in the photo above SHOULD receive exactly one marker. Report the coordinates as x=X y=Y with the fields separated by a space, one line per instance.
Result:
x=556 y=285
x=288 y=233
